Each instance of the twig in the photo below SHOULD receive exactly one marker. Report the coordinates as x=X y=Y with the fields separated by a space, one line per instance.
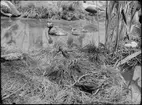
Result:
x=115 y=65
x=128 y=58
x=96 y=91
x=81 y=78
x=13 y=93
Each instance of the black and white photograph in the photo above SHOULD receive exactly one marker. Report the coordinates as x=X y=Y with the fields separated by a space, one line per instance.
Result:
x=70 y=52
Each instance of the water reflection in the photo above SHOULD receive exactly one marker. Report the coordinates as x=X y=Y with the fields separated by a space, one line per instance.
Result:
x=28 y=35
x=24 y=35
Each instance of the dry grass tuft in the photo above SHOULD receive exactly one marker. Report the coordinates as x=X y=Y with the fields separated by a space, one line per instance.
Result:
x=48 y=77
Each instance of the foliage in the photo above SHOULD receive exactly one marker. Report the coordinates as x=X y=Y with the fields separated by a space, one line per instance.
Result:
x=121 y=19
x=50 y=77
x=62 y=10
x=68 y=75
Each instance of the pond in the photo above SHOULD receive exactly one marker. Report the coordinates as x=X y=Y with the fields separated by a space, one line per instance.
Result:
x=32 y=34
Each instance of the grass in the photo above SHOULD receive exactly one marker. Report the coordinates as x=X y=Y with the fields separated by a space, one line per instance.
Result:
x=63 y=75
x=48 y=77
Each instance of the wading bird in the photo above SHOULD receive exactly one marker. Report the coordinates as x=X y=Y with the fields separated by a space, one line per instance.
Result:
x=9 y=10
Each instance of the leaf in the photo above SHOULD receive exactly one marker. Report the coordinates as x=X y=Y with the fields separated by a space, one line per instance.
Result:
x=107 y=5
x=128 y=58
x=112 y=6
x=124 y=17
x=134 y=9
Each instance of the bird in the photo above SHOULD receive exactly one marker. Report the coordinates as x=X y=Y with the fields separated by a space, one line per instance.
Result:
x=75 y=32
x=9 y=10
x=91 y=8
x=55 y=31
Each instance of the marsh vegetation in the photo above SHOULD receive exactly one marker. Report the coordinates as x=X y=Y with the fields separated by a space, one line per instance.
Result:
x=68 y=69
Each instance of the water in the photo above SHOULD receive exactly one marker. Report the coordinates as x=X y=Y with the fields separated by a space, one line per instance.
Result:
x=31 y=34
